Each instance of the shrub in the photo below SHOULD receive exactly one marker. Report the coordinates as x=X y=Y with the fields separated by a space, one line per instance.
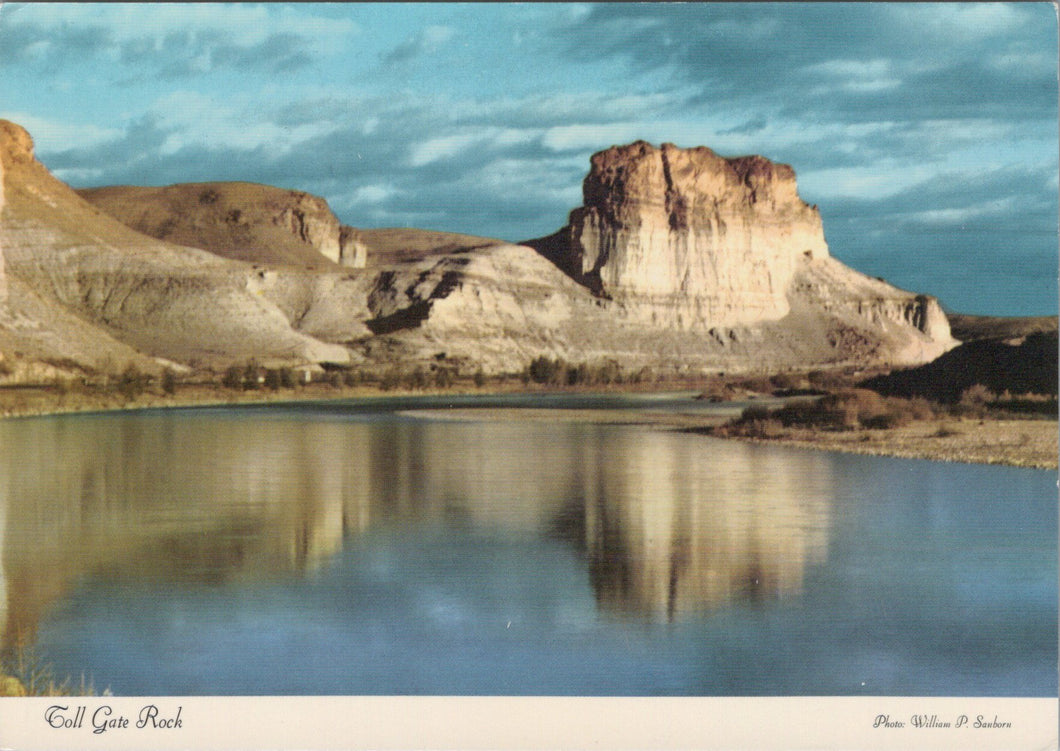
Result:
x=417 y=379
x=250 y=377
x=272 y=379
x=544 y=370
x=844 y=410
x=977 y=395
x=787 y=381
x=755 y=422
x=443 y=378
x=479 y=378
x=169 y=382
x=287 y=378
x=389 y=379
x=233 y=377
x=132 y=382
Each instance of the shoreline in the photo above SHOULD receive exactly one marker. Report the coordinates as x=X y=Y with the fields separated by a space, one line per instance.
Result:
x=1030 y=443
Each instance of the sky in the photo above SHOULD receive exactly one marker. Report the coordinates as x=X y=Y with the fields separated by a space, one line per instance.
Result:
x=926 y=133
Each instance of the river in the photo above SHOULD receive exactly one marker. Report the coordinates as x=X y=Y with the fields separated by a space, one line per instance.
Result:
x=352 y=548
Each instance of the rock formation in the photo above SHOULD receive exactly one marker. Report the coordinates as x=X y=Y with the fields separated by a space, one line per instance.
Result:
x=688 y=240
x=700 y=239
x=250 y=222
x=86 y=290
x=680 y=261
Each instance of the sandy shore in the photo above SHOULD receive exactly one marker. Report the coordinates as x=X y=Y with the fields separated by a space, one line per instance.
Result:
x=1018 y=443
x=1021 y=443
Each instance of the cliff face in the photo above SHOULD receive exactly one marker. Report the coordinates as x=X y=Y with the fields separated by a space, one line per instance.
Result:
x=680 y=262
x=691 y=241
x=690 y=236
x=245 y=221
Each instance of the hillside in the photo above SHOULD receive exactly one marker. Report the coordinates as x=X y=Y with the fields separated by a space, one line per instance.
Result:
x=245 y=221
x=82 y=290
x=680 y=263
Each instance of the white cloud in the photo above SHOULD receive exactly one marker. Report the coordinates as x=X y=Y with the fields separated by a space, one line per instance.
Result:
x=427 y=41
x=446 y=147
x=874 y=182
x=964 y=22
x=443 y=147
x=964 y=214
x=235 y=122
x=571 y=137
x=855 y=75
x=369 y=194
x=243 y=24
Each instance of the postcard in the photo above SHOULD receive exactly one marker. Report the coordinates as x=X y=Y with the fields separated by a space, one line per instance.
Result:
x=545 y=375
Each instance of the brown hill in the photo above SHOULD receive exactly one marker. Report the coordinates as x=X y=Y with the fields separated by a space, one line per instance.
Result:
x=245 y=221
x=389 y=246
x=684 y=288
x=81 y=288
x=1025 y=365
x=968 y=328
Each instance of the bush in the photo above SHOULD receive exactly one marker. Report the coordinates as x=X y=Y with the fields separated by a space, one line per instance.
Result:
x=753 y=423
x=250 y=377
x=169 y=382
x=845 y=410
x=132 y=382
x=272 y=379
x=389 y=379
x=417 y=379
x=977 y=395
x=233 y=377
x=287 y=378
x=443 y=378
x=544 y=370
x=479 y=378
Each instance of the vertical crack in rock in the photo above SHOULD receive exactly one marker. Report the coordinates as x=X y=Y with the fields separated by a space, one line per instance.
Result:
x=676 y=206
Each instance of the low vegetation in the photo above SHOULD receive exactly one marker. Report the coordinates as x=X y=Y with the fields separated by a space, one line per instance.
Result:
x=559 y=372
x=24 y=673
x=856 y=409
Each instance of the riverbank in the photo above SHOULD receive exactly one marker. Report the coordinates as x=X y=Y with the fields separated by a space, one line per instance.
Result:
x=1026 y=442
x=1017 y=443
x=1014 y=442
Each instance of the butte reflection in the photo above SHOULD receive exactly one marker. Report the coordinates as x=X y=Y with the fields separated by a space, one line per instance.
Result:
x=669 y=523
x=676 y=530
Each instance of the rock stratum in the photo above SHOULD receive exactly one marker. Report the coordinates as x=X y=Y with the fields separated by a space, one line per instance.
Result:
x=679 y=260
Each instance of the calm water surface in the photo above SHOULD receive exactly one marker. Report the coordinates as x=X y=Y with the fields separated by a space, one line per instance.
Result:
x=348 y=548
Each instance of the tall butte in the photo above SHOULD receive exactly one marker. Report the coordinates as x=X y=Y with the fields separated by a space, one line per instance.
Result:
x=692 y=240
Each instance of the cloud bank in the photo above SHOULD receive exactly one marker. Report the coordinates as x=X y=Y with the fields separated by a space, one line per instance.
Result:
x=926 y=133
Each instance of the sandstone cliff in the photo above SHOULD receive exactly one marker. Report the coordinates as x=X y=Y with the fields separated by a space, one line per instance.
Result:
x=680 y=261
x=700 y=239
x=688 y=240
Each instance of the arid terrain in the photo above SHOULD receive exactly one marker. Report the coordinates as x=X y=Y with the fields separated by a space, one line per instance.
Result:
x=682 y=270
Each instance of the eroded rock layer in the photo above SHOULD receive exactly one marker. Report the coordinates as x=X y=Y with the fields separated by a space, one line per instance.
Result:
x=84 y=289
x=687 y=240
x=680 y=262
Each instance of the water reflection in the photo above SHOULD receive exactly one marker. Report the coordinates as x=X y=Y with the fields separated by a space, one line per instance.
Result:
x=668 y=523
x=676 y=528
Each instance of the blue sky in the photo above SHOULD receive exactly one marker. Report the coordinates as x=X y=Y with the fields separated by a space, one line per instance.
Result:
x=926 y=133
